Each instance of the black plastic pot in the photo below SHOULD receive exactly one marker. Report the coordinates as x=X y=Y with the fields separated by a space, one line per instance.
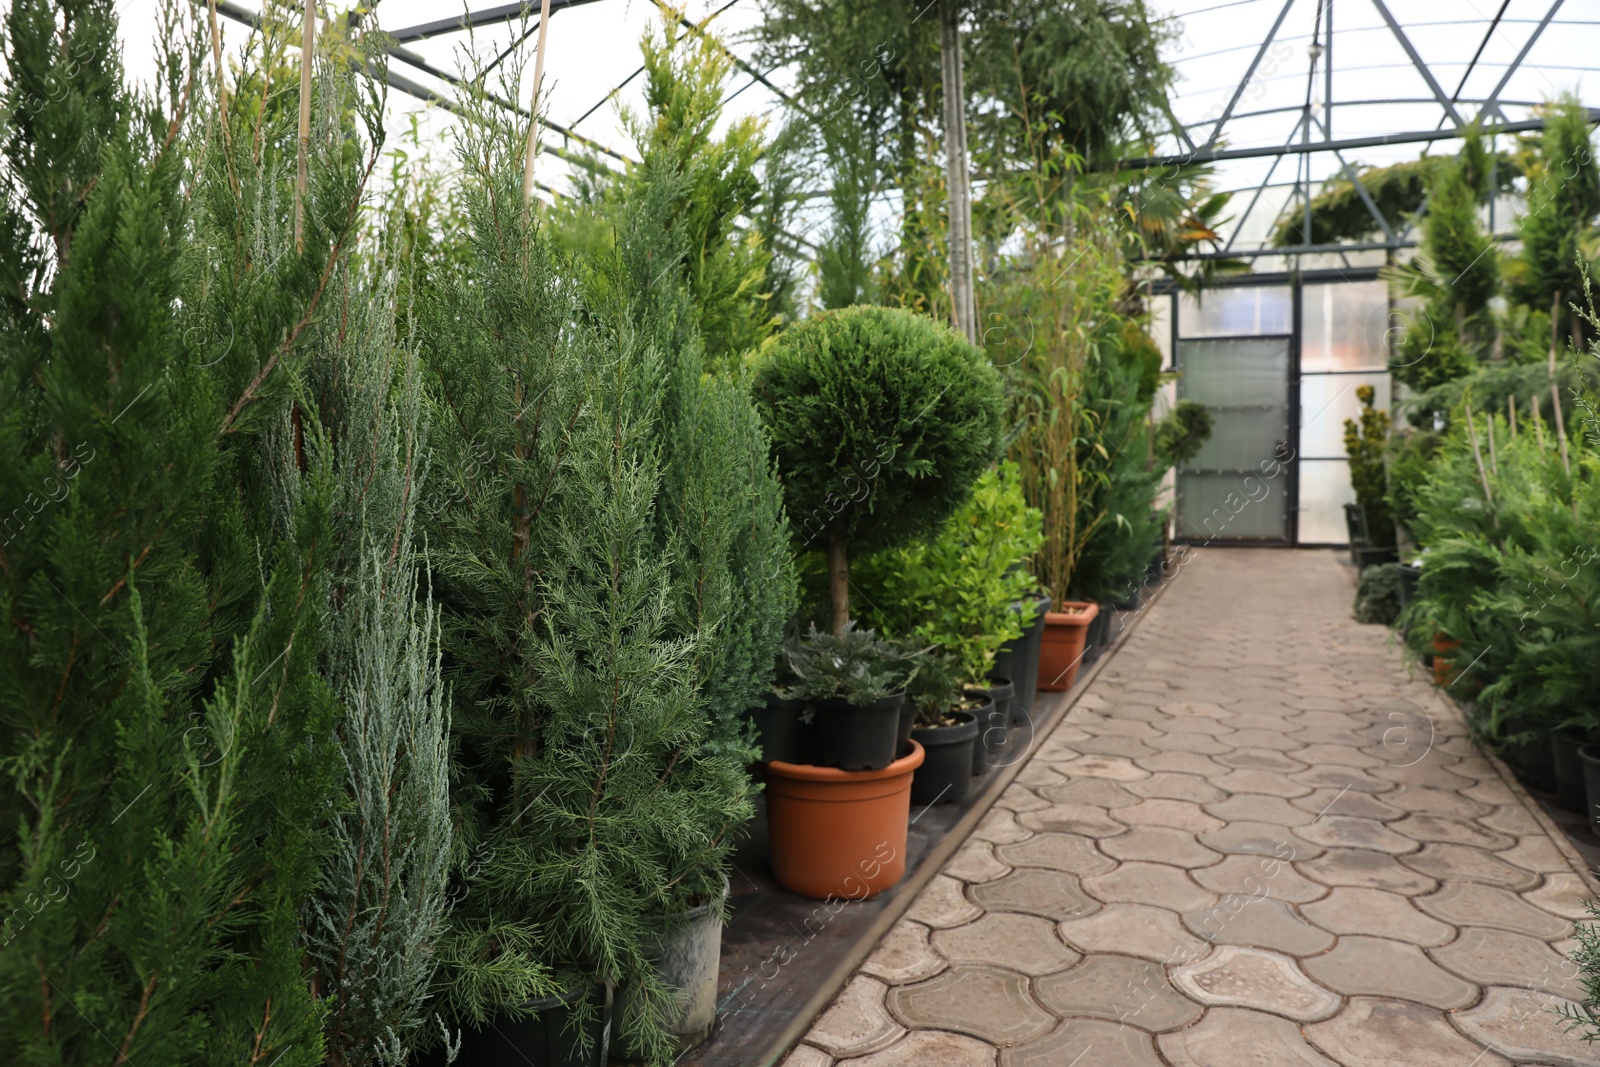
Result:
x=1025 y=676
x=543 y=1039
x=902 y=738
x=1132 y=602
x=685 y=950
x=992 y=732
x=1410 y=575
x=782 y=731
x=1569 y=771
x=946 y=769
x=858 y=737
x=1535 y=763
x=1099 y=635
x=1589 y=755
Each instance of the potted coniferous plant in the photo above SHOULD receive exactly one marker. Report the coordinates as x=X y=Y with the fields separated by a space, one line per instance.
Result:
x=948 y=723
x=855 y=684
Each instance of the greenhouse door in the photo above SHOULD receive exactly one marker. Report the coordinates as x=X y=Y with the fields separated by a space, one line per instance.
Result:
x=1237 y=488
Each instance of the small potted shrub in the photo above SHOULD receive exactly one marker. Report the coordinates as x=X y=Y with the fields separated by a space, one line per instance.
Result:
x=854 y=683
x=966 y=591
x=948 y=721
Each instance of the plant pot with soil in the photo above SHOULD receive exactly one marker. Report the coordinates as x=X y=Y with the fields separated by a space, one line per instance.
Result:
x=542 y=1033
x=838 y=834
x=855 y=683
x=685 y=949
x=948 y=728
x=785 y=728
x=1061 y=650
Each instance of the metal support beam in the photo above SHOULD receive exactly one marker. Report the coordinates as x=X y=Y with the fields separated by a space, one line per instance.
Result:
x=1492 y=104
x=1366 y=197
x=1416 y=61
x=474 y=20
x=1349 y=144
x=1249 y=72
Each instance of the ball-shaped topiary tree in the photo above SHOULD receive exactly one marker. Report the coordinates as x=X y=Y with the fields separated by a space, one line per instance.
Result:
x=880 y=421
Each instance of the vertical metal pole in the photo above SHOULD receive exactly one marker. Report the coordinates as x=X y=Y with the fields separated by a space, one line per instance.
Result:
x=963 y=304
x=1327 y=75
x=308 y=44
x=1292 y=388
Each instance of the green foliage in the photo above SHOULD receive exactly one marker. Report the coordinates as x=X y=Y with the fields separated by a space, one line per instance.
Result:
x=936 y=688
x=844 y=261
x=1409 y=464
x=1558 y=242
x=958 y=590
x=1182 y=432
x=853 y=664
x=1378 y=595
x=880 y=422
x=1584 y=1017
x=1365 y=444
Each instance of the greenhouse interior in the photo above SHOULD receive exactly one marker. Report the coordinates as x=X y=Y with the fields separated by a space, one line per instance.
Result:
x=800 y=533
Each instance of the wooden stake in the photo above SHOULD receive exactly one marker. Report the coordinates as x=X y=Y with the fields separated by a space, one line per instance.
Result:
x=1561 y=427
x=1483 y=476
x=308 y=44
x=533 y=109
x=1538 y=423
x=1494 y=454
x=1511 y=415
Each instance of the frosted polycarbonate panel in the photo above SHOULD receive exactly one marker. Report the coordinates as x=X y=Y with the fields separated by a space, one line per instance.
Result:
x=1324 y=491
x=1230 y=507
x=1235 y=312
x=1326 y=400
x=1161 y=327
x=1343 y=326
x=1234 y=488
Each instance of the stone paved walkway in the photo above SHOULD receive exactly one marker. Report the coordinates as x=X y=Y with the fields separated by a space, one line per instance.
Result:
x=1253 y=842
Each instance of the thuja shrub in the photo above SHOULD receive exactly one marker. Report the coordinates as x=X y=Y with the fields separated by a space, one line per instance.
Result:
x=881 y=420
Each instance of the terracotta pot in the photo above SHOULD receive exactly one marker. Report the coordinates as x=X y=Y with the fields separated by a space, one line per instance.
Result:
x=839 y=834
x=1061 y=650
x=1442 y=647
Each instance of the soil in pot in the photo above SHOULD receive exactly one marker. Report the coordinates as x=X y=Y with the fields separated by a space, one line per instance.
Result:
x=839 y=834
x=685 y=949
x=858 y=737
x=1061 y=650
x=946 y=769
x=543 y=1039
x=988 y=747
x=1589 y=755
x=1568 y=771
x=782 y=729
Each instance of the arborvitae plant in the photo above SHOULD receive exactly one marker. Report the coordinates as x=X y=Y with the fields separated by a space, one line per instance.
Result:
x=1557 y=231
x=1365 y=444
x=166 y=765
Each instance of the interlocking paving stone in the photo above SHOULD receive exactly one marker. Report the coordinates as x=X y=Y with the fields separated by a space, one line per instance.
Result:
x=1561 y=894
x=904 y=955
x=1538 y=854
x=1350 y=910
x=930 y=1048
x=1033 y=891
x=1431 y=801
x=1464 y=863
x=1379 y=967
x=1347 y=803
x=1343 y=831
x=1057 y=852
x=975 y=862
x=1252 y=978
x=1114 y=745
x=1020 y=799
x=1183 y=763
x=857 y=1023
x=1262 y=759
x=1000 y=827
x=1260 y=839
x=1342 y=778
x=942 y=903
x=1114 y=768
x=1120 y=989
x=1372 y=870
x=1259 y=922
x=1373 y=1032
x=1449 y=830
x=1025 y=942
x=1500 y=957
x=1253 y=780
x=806 y=1056
x=1100 y=792
x=1084 y=1042
x=1319 y=753
x=1204 y=744
x=1253 y=875
x=1138 y=930
x=1518 y=1023
x=1236 y=1037
x=1160 y=844
x=1512 y=820
x=988 y=1003
x=1178 y=814
x=1469 y=904
x=1172 y=785
x=1156 y=884
x=1250 y=808
x=1086 y=819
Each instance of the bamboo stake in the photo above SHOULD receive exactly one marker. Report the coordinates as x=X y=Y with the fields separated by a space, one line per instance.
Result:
x=308 y=44
x=1538 y=423
x=1483 y=476
x=1561 y=427
x=1511 y=415
x=216 y=55
x=533 y=108
x=1494 y=454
